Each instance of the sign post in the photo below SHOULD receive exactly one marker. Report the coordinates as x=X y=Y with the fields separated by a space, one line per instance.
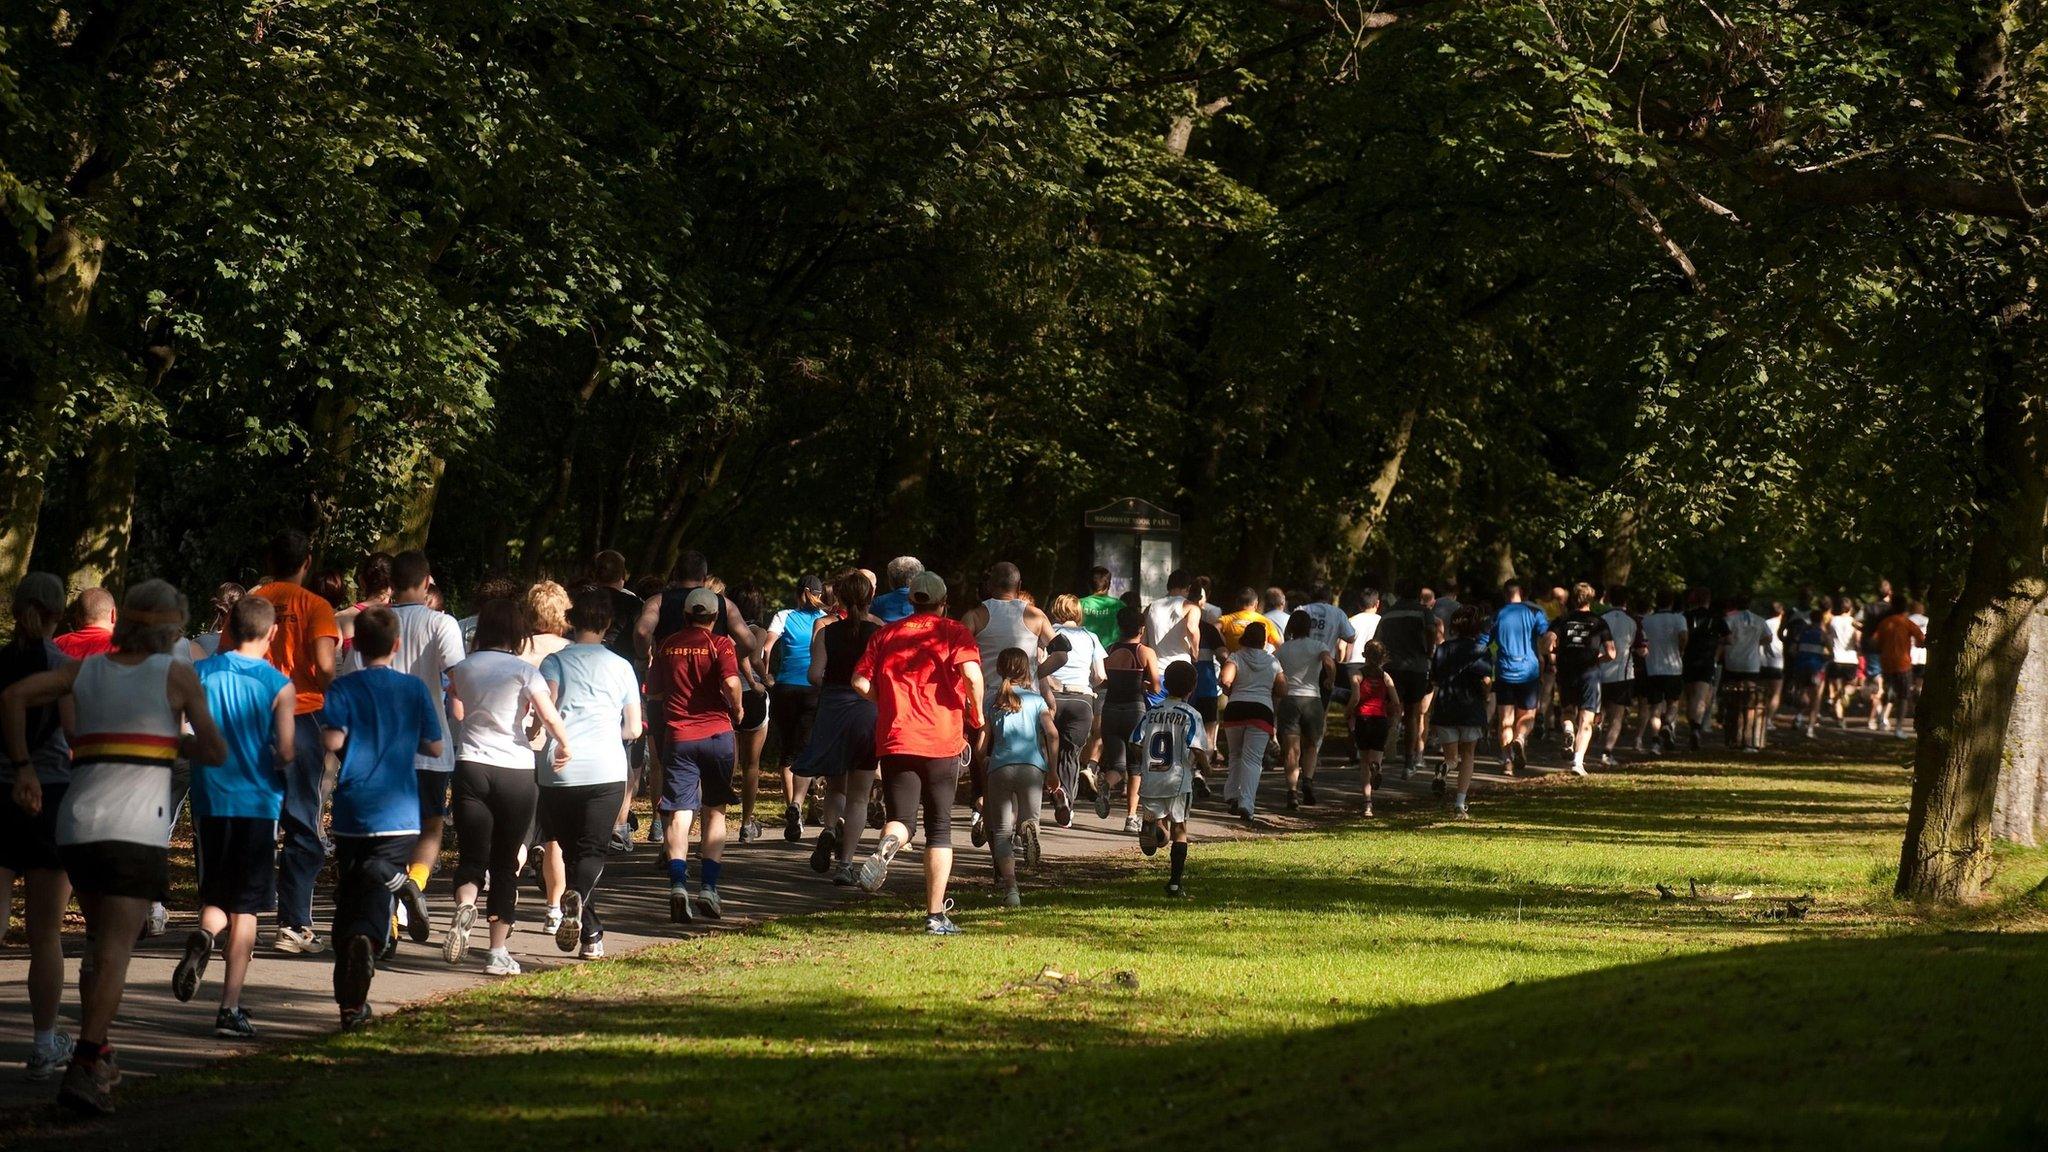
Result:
x=1138 y=541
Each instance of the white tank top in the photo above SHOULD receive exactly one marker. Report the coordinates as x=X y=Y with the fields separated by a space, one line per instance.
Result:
x=1005 y=629
x=126 y=743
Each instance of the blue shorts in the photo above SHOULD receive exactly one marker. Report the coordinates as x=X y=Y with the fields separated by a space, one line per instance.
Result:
x=698 y=774
x=433 y=793
x=1580 y=690
x=1524 y=696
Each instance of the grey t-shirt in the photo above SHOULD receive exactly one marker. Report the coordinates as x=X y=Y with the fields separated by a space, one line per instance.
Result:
x=595 y=686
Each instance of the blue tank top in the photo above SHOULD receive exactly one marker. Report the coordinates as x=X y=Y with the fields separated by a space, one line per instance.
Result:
x=1013 y=737
x=793 y=650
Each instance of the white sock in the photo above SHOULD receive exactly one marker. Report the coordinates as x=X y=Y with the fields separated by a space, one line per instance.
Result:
x=1461 y=799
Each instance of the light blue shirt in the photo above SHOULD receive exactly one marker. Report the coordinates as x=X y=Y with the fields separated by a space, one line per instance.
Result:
x=594 y=685
x=1013 y=737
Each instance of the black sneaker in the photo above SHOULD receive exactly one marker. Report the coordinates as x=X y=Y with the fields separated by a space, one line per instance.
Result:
x=233 y=1024
x=1201 y=787
x=821 y=855
x=1519 y=755
x=978 y=831
x=358 y=965
x=1694 y=732
x=1293 y=802
x=1151 y=838
x=1436 y=786
x=679 y=910
x=356 y=1017
x=621 y=842
x=418 y=921
x=191 y=967
x=793 y=823
x=1062 y=811
x=1175 y=890
x=1308 y=793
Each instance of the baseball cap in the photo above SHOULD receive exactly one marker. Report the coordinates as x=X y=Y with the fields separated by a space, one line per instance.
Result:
x=701 y=602
x=811 y=584
x=43 y=589
x=927 y=588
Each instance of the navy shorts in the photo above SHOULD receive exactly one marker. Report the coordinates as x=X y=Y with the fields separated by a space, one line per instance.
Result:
x=237 y=864
x=1618 y=693
x=698 y=774
x=1524 y=696
x=433 y=793
x=1579 y=690
x=29 y=843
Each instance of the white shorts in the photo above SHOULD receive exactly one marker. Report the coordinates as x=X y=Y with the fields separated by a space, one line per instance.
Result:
x=1171 y=808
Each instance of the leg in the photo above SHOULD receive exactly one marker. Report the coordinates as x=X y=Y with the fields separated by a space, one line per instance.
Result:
x=115 y=922
x=475 y=829
x=302 y=855
x=938 y=787
x=751 y=744
x=553 y=873
x=859 y=783
x=1582 y=735
x=49 y=889
x=1003 y=816
x=1466 y=754
x=515 y=793
x=1290 y=757
x=239 y=949
x=1253 y=749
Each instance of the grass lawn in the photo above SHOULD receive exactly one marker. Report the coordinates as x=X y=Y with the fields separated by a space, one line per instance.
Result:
x=1514 y=982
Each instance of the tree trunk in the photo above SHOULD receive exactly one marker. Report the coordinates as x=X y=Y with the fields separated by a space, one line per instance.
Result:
x=1967 y=705
x=550 y=507
x=693 y=485
x=1618 y=557
x=416 y=514
x=1359 y=532
x=2020 y=812
x=107 y=510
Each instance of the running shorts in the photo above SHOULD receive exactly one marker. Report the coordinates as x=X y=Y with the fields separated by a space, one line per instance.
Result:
x=1411 y=687
x=434 y=788
x=1302 y=714
x=118 y=868
x=1369 y=734
x=1580 y=690
x=1617 y=693
x=238 y=863
x=698 y=774
x=29 y=843
x=1663 y=689
x=1205 y=708
x=1843 y=673
x=753 y=711
x=1524 y=695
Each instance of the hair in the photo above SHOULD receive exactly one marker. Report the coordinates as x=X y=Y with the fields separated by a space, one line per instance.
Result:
x=1618 y=597
x=1839 y=605
x=1179 y=678
x=608 y=567
x=1002 y=576
x=1510 y=589
x=1299 y=625
x=1320 y=591
x=1254 y=635
x=1066 y=609
x=142 y=627
x=373 y=576
x=1129 y=621
x=498 y=586
x=92 y=605
x=1582 y=596
x=1013 y=667
x=38 y=606
x=749 y=601
x=500 y=626
x=1099 y=579
x=1198 y=590
x=376 y=632
x=436 y=599
x=547 y=608
x=647 y=587
x=1247 y=598
x=1374 y=656
x=901 y=571
x=1275 y=598
x=1178 y=578
x=329 y=585
x=806 y=598
x=249 y=620
x=715 y=584
x=288 y=552
x=1368 y=598
x=225 y=595
x=591 y=610
x=855 y=591
x=691 y=567
x=409 y=570
x=1466 y=620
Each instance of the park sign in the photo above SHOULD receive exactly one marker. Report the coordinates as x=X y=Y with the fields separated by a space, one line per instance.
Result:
x=1137 y=540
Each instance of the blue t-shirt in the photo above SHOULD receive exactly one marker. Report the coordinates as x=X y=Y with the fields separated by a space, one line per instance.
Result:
x=1013 y=736
x=386 y=715
x=1515 y=629
x=892 y=605
x=793 y=650
x=241 y=692
x=595 y=685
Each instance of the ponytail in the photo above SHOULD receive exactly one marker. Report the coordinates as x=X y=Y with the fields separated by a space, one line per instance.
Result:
x=1015 y=668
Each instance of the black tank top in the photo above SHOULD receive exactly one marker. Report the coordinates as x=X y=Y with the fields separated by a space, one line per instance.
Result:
x=846 y=641
x=1124 y=670
x=669 y=618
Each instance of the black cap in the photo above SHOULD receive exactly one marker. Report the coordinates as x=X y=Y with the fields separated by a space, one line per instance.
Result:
x=812 y=585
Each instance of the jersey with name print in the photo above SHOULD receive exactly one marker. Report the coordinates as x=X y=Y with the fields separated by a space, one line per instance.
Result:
x=1167 y=736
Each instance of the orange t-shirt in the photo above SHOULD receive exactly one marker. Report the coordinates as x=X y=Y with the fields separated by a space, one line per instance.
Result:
x=302 y=618
x=1896 y=635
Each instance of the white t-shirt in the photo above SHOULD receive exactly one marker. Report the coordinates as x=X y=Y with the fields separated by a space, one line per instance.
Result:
x=429 y=644
x=496 y=689
x=1364 y=627
x=1254 y=683
x=1919 y=649
x=1084 y=656
x=1276 y=620
x=1167 y=737
x=1302 y=659
x=1665 y=633
x=1329 y=627
x=1622 y=627
x=1842 y=640
x=1165 y=634
x=1745 y=642
x=1774 y=644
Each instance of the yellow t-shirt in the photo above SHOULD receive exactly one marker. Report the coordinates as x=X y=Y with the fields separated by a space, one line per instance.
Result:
x=1233 y=626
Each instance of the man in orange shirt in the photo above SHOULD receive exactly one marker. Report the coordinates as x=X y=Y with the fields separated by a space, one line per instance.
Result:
x=1896 y=635
x=303 y=649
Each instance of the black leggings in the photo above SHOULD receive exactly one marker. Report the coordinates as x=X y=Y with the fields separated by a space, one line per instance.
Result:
x=791 y=708
x=1074 y=716
x=367 y=873
x=493 y=812
x=579 y=818
x=907 y=780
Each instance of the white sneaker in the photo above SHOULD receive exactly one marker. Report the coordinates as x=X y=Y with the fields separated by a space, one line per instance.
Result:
x=159 y=921
x=593 y=949
x=501 y=964
x=554 y=922
x=297 y=942
x=1578 y=769
x=45 y=1059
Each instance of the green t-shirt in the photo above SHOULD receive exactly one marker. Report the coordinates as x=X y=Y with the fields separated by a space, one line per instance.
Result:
x=1098 y=615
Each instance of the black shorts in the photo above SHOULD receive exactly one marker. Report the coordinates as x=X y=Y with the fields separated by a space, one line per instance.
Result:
x=753 y=711
x=792 y=709
x=927 y=783
x=434 y=787
x=1369 y=734
x=118 y=868
x=1247 y=712
x=1524 y=696
x=1205 y=708
x=1580 y=690
x=1731 y=676
x=29 y=843
x=237 y=864
x=1663 y=689
x=1411 y=687
x=1617 y=693
x=1843 y=673
x=1700 y=673
x=1771 y=674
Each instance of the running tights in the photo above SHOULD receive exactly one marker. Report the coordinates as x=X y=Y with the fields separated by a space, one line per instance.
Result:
x=908 y=781
x=493 y=812
x=579 y=818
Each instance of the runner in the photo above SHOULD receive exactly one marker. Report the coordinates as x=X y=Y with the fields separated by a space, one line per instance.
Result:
x=1807 y=667
x=303 y=649
x=28 y=841
x=1770 y=677
x=1617 y=676
x=895 y=604
x=1375 y=708
x=608 y=571
x=1845 y=642
x=1172 y=625
x=1744 y=636
x=1207 y=698
x=493 y=696
x=694 y=682
x=235 y=805
x=429 y=644
x=1554 y=605
x=662 y=613
x=1664 y=635
x=1461 y=673
x=842 y=746
x=1071 y=688
x=924 y=674
x=1311 y=671
x=1705 y=629
x=92 y=631
x=1898 y=635
x=598 y=698
x=750 y=736
x=1330 y=626
x=208 y=642
x=1099 y=609
x=1522 y=633
x=373 y=589
x=1365 y=624
x=1447 y=602
x=547 y=622
x=129 y=708
x=1584 y=643
x=1006 y=619
x=1916 y=611
x=1175 y=745
x=1232 y=624
x=1273 y=606
x=1020 y=744
x=382 y=722
x=1251 y=679
x=792 y=698
x=1409 y=632
x=1130 y=675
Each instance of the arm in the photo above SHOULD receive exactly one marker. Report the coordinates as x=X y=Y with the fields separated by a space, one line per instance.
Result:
x=734 y=704
x=544 y=707
x=285 y=725
x=632 y=723
x=1329 y=677
x=972 y=671
x=34 y=691
x=1395 y=709
x=333 y=739
x=1049 y=740
x=205 y=745
x=816 y=674
x=323 y=662
x=1041 y=627
x=643 y=628
x=1227 y=676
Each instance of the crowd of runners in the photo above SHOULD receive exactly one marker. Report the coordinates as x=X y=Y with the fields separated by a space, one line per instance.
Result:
x=306 y=724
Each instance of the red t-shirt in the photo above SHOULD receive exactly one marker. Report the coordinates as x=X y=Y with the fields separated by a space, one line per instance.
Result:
x=83 y=642
x=688 y=671
x=920 y=697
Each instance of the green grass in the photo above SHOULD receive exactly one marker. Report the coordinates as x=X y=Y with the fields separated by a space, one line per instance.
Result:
x=1512 y=982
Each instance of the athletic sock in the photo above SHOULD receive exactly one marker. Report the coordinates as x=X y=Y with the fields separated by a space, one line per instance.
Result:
x=1180 y=860
x=1461 y=799
x=710 y=869
x=46 y=1038
x=679 y=872
x=419 y=874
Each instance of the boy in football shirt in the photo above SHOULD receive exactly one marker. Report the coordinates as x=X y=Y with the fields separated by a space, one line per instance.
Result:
x=1174 y=744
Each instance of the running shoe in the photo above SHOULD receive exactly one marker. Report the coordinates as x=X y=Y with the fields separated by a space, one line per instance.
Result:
x=1151 y=838
x=750 y=830
x=1368 y=810
x=1578 y=769
x=1245 y=814
x=977 y=831
x=553 y=922
x=89 y=1088
x=593 y=949
x=390 y=948
x=1695 y=734
x=1132 y=825
x=1518 y=755
x=1175 y=890
x=1436 y=786
x=159 y=920
x=621 y=843
x=501 y=963
x=679 y=910
x=354 y=1018
x=875 y=871
x=1308 y=793
x=1028 y=843
x=1408 y=769
x=191 y=967
x=814 y=809
x=941 y=923
x=793 y=823
x=569 y=925
x=1062 y=811
x=1293 y=801
x=455 y=945
x=707 y=903
x=419 y=923
x=358 y=965
x=821 y=854
x=1459 y=813
x=1607 y=761
x=297 y=941
x=1201 y=786
x=1102 y=803
x=45 y=1059
x=846 y=875
x=1087 y=785
x=233 y=1024
x=1011 y=897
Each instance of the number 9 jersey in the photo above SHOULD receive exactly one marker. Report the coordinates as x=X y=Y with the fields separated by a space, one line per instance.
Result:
x=1168 y=736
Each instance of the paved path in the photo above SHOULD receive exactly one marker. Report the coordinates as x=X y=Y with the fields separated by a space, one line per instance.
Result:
x=290 y=997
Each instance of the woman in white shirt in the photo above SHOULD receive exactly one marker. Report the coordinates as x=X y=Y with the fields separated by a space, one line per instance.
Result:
x=1251 y=677
x=1307 y=665
x=1071 y=690
x=547 y=623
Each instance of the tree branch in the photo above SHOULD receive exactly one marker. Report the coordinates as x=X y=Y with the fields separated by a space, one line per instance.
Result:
x=1898 y=186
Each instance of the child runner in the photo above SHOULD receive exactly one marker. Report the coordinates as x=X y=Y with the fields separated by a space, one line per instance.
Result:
x=1375 y=709
x=598 y=697
x=1251 y=678
x=1021 y=744
x=1174 y=742
x=381 y=720
x=28 y=839
x=693 y=679
x=235 y=805
x=1130 y=672
x=1461 y=675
